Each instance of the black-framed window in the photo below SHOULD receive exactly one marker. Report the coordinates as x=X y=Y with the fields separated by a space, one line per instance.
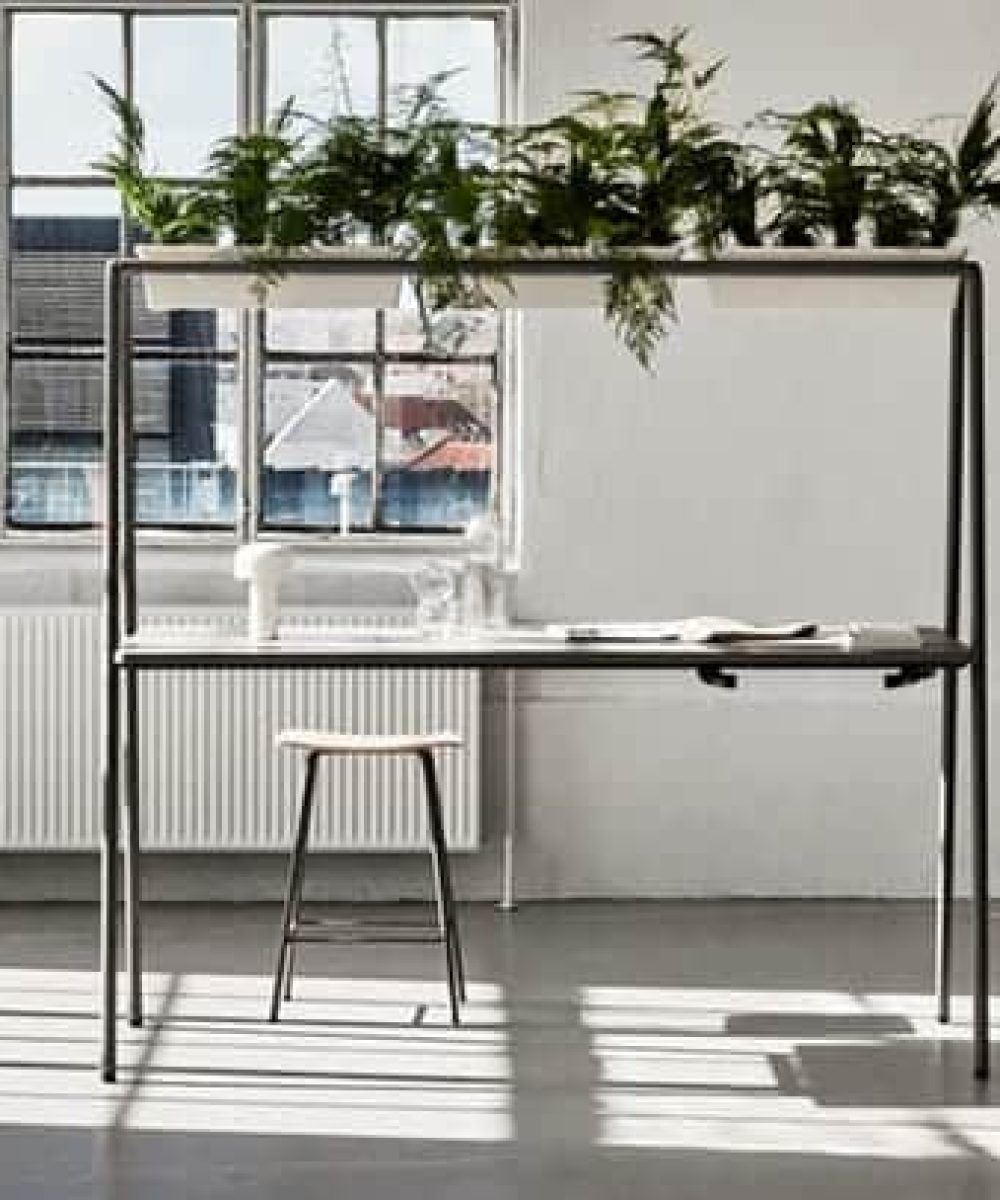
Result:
x=349 y=423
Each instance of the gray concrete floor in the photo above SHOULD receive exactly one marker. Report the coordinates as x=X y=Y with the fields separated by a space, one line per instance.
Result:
x=694 y=1050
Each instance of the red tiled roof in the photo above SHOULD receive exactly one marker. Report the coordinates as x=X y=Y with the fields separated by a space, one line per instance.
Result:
x=411 y=414
x=451 y=454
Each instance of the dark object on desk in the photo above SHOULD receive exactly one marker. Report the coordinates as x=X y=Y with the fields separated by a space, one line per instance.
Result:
x=704 y=630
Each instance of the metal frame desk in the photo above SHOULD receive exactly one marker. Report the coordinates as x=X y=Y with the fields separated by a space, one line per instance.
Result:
x=942 y=650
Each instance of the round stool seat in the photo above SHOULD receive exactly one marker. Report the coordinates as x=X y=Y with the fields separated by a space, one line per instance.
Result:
x=318 y=741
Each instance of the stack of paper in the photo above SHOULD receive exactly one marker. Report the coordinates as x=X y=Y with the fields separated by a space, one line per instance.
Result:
x=690 y=629
x=855 y=635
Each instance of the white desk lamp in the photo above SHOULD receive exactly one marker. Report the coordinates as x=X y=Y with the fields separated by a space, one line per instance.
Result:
x=261 y=565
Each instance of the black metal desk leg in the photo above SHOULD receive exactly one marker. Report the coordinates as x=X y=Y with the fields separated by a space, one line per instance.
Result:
x=109 y=908
x=979 y=670
x=133 y=861
x=944 y=920
x=508 y=897
x=944 y=914
x=113 y=329
x=980 y=869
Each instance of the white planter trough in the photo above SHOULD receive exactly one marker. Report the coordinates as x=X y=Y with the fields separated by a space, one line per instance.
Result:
x=525 y=291
x=246 y=287
x=529 y=290
x=834 y=291
x=250 y=287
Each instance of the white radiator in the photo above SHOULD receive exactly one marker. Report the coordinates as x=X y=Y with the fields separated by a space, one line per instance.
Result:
x=211 y=778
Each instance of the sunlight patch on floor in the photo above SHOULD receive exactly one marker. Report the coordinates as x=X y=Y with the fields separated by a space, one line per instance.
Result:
x=731 y=1070
x=372 y=1058
x=804 y=1072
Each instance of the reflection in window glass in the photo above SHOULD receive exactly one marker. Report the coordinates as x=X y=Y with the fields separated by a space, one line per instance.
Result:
x=329 y=64
x=439 y=421
x=319 y=445
x=183 y=121
x=59 y=121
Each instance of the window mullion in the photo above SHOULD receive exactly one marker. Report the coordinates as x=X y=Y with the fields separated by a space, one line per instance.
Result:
x=251 y=349
x=6 y=128
x=379 y=366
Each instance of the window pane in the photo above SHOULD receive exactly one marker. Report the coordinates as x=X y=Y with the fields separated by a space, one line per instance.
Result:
x=438 y=450
x=55 y=443
x=185 y=422
x=453 y=332
x=319 y=447
x=60 y=122
x=60 y=239
x=187 y=442
x=83 y=201
x=329 y=64
x=421 y=47
x=205 y=329
x=336 y=330
x=185 y=87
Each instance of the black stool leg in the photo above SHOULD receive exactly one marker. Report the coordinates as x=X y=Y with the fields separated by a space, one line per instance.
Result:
x=293 y=888
x=442 y=882
x=290 y=951
x=293 y=922
x=453 y=940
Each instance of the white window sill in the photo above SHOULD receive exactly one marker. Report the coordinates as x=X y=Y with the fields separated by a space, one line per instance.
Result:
x=195 y=544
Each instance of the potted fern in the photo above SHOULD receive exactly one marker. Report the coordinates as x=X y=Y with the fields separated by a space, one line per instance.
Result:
x=627 y=176
x=837 y=187
x=622 y=176
x=256 y=201
x=630 y=178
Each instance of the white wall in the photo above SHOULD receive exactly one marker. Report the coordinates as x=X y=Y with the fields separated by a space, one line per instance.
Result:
x=776 y=465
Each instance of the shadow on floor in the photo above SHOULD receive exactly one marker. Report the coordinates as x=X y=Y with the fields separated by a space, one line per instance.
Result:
x=641 y=1050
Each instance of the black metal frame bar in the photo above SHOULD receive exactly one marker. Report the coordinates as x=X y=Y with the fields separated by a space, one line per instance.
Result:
x=941 y=651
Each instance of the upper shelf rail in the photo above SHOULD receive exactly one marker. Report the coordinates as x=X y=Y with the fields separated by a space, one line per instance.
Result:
x=895 y=264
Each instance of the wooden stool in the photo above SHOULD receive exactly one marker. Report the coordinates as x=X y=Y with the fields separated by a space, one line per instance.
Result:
x=316 y=745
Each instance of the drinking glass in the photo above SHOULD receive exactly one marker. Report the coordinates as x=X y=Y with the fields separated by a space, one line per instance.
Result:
x=434 y=585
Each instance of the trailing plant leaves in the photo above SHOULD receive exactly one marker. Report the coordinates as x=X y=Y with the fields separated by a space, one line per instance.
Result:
x=639 y=303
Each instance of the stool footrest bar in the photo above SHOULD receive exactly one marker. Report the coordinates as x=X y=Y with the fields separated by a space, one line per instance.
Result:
x=331 y=930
